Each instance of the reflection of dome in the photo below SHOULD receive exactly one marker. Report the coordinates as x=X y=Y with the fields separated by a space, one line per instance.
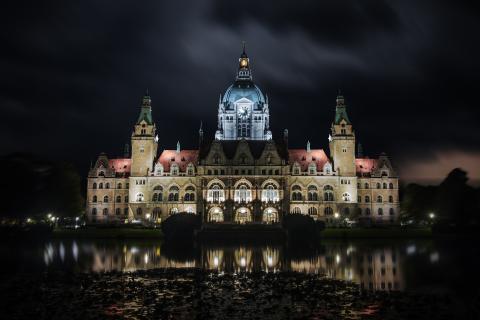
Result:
x=243 y=89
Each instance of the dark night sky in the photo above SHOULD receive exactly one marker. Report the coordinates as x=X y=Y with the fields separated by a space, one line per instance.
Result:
x=72 y=74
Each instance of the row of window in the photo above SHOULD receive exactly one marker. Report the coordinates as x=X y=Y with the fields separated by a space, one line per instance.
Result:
x=107 y=185
x=243 y=172
x=106 y=199
x=379 y=185
x=328 y=211
x=379 y=199
x=156 y=211
x=105 y=211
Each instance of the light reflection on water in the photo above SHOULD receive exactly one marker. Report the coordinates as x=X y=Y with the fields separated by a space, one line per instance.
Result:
x=378 y=267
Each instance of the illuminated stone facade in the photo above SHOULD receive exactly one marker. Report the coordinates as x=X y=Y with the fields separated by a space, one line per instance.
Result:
x=243 y=175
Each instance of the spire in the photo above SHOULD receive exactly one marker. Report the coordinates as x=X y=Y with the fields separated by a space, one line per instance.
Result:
x=244 y=72
x=285 y=137
x=308 y=146
x=341 y=110
x=178 y=146
x=146 y=110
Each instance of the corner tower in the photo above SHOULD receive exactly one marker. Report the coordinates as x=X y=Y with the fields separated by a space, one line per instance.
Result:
x=243 y=110
x=342 y=141
x=144 y=140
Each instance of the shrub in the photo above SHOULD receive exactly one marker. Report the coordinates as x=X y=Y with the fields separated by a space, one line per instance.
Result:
x=302 y=228
x=181 y=227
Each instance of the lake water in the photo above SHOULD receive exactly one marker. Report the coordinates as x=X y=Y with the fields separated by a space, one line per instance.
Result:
x=419 y=265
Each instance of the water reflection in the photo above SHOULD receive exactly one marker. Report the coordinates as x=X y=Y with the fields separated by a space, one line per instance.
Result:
x=372 y=267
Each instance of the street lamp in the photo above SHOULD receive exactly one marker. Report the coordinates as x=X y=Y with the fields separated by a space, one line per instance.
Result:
x=431 y=215
x=336 y=215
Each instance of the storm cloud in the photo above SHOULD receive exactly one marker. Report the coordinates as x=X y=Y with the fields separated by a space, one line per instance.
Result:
x=72 y=74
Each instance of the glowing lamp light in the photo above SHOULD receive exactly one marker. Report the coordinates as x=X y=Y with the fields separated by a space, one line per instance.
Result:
x=270 y=261
x=147 y=216
x=215 y=261
x=431 y=215
x=49 y=216
x=336 y=215
x=243 y=262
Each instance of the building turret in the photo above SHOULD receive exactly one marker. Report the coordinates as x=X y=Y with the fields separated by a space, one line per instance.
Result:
x=144 y=140
x=342 y=140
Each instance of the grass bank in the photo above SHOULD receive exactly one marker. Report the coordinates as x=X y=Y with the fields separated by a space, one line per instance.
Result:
x=376 y=233
x=126 y=233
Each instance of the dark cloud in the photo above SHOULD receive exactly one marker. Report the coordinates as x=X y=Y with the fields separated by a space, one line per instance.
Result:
x=72 y=74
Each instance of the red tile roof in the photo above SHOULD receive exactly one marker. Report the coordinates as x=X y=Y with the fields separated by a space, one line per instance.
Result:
x=365 y=165
x=120 y=165
x=182 y=158
x=304 y=158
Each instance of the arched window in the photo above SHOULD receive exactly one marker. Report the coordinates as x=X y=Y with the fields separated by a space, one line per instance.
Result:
x=367 y=199
x=328 y=211
x=296 y=193
x=101 y=174
x=378 y=185
x=117 y=211
x=390 y=185
x=296 y=168
x=119 y=186
x=367 y=185
x=215 y=193
x=94 y=199
x=391 y=211
x=367 y=211
x=94 y=186
x=119 y=199
x=346 y=211
x=139 y=211
x=312 y=168
x=100 y=185
x=190 y=193
x=174 y=169
x=173 y=193
x=126 y=199
x=94 y=211
x=327 y=168
x=105 y=199
x=328 y=193
x=157 y=195
x=346 y=197
x=312 y=193
x=158 y=169
x=243 y=193
x=140 y=197
x=270 y=193
x=359 y=199
x=107 y=185
x=190 y=169
x=173 y=210
x=105 y=211
x=156 y=213
x=380 y=211
x=390 y=199
x=379 y=199
x=384 y=185
x=297 y=210
x=125 y=211
x=312 y=211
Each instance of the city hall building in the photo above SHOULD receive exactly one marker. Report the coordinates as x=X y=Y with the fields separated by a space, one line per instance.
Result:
x=242 y=176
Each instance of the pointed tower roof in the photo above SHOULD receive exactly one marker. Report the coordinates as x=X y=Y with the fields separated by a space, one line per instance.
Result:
x=244 y=73
x=341 y=110
x=146 y=110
